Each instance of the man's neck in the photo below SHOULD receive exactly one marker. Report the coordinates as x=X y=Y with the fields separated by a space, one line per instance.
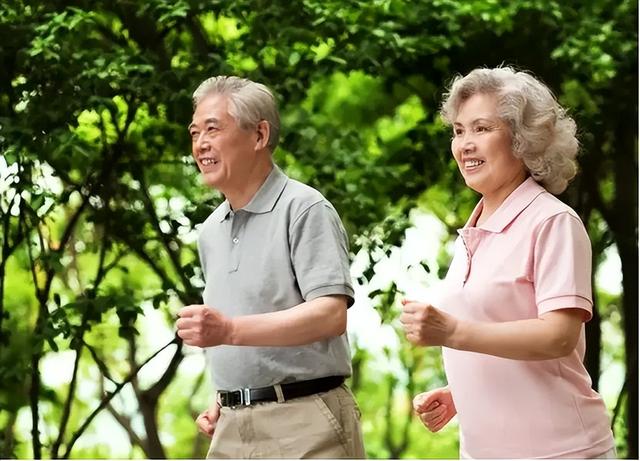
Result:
x=240 y=196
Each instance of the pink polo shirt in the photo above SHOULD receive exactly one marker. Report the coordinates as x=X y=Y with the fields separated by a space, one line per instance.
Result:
x=531 y=256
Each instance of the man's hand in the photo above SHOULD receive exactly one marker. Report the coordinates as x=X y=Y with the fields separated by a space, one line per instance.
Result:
x=203 y=326
x=208 y=419
x=424 y=325
x=435 y=408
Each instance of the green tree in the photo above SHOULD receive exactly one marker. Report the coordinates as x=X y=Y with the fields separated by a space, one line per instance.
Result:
x=99 y=197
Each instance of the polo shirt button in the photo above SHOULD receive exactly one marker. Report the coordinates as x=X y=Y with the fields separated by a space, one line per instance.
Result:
x=235 y=240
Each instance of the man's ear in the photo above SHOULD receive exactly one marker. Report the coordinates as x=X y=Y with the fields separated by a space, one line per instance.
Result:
x=264 y=130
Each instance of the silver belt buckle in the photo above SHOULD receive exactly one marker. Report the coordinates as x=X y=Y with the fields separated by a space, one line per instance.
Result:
x=245 y=397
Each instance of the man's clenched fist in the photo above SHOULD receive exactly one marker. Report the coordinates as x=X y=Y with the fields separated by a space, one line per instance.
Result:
x=203 y=326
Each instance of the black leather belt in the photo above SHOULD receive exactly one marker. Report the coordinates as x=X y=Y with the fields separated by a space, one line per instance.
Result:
x=244 y=397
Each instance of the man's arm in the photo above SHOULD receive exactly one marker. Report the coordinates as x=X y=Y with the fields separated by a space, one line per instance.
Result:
x=321 y=318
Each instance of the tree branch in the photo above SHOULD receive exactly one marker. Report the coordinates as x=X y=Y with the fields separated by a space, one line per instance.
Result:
x=388 y=439
x=154 y=392
x=67 y=406
x=7 y=250
x=107 y=398
x=34 y=395
x=199 y=38
x=100 y=363
x=133 y=365
x=618 y=407
x=125 y=422
x=148 y=204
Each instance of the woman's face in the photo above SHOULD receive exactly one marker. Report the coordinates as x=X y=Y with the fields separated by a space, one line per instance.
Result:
x=481 y=145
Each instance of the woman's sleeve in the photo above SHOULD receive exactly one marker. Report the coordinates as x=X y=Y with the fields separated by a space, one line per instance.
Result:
x=562 y=265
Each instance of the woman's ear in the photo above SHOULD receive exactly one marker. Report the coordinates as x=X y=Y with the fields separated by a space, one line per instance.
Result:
x=264 y=130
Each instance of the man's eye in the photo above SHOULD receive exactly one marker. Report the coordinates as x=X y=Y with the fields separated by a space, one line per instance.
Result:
x=193 y=134
x=481 y=129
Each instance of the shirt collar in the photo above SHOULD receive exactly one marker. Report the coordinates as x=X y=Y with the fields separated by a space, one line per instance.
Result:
x=513 y=205
x=265 y=198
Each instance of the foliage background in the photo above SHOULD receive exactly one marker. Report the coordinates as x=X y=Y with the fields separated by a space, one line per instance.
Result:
x=99 y=196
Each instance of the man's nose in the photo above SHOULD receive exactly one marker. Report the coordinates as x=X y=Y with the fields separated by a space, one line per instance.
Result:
x=202 y=142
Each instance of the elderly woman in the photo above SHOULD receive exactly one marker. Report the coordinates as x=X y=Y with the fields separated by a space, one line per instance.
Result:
x=512 y=307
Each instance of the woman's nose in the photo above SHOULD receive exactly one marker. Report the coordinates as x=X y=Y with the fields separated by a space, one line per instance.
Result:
x=466 y=144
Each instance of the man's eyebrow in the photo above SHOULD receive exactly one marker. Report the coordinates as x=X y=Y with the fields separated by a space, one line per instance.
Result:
x=206 y=121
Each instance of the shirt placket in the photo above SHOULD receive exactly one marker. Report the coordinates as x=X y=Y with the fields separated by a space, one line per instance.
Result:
x=470 y=239
x=237 y=225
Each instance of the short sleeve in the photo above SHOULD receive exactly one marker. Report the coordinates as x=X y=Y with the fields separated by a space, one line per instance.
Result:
x=320 y=253
x=562 y=265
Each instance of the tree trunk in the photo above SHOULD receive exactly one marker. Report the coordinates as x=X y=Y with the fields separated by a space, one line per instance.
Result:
x=625 y=231
x=623 y=223
x=34 y=396
x=593 y=336
x=148 y=408
x=629 y=259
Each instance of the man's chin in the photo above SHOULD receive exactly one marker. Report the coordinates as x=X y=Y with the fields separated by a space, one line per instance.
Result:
x=211 y=180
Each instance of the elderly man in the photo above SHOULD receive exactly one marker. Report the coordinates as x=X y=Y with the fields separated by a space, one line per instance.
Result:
x=277 y=288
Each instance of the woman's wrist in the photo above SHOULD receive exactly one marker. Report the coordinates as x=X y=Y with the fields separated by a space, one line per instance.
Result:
x=458 y=334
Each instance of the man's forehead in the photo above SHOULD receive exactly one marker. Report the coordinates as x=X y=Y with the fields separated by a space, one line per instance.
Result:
x=211 y=109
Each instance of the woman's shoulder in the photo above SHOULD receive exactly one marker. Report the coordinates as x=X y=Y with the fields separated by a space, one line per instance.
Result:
x=547 y=205
x=548 y=214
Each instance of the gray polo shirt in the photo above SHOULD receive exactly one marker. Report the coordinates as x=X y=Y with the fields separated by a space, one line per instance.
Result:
x=286 y=246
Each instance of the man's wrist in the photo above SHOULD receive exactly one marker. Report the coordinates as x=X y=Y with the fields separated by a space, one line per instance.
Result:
x=231 y=336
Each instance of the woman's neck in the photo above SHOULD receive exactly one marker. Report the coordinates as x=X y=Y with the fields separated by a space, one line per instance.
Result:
x=491 y=202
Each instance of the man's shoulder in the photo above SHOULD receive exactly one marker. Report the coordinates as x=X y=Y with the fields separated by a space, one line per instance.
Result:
x=299 y=191
x=298 y=196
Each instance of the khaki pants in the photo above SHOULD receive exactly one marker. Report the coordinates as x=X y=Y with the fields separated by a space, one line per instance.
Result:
x=325 y=425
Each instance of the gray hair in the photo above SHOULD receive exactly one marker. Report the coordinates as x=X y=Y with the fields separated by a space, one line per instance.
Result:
x=542 y=133
x=249 y=102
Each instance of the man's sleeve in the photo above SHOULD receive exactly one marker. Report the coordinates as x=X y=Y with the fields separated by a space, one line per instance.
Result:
x=562 y=265
x=320 y=253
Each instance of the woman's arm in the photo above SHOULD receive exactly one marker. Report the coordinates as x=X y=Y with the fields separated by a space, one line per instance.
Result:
x=554 y=334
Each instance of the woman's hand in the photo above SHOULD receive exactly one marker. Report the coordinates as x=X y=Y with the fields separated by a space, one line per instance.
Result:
x=424 y=325
x=435 y=408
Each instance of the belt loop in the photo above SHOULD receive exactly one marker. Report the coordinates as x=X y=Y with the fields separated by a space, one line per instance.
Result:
x=278 y=389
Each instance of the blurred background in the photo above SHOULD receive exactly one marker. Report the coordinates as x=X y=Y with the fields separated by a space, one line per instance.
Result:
x=100 y=199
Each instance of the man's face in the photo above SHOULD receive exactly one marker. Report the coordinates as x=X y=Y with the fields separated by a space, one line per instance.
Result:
x=224 y=152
